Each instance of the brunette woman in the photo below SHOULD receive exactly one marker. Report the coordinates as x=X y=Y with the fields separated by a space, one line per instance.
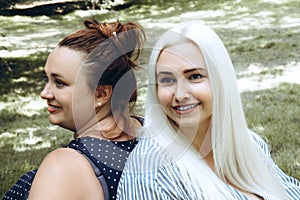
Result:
x=90 y=89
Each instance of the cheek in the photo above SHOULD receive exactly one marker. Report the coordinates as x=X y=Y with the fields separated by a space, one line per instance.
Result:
x=164 y=95
x=64 y=97
x=82 y=101
x=208 y=93
x=203 y=93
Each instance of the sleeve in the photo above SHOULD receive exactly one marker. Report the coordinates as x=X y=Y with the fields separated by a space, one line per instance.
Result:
x=291 y=184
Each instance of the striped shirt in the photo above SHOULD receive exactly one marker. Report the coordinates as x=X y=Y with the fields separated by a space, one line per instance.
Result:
x=150 y=173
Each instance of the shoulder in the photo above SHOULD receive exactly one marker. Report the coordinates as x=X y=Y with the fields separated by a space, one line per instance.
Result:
x=63 y=174
x=150 y=169
x=148 y=155
x=63 y=160
x=147 y=145
x=149 y=161
x=140 y=119
x=258 y=140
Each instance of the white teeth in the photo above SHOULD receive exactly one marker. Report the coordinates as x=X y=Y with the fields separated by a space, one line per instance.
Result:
x=183 y=108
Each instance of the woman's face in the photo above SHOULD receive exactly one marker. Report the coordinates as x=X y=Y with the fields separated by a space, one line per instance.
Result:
x=183 y=87
x=70 y=101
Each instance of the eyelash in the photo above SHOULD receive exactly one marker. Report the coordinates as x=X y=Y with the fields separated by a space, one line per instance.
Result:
x=167 y=80
x=198 y=76
x=59 y=83
x=45 y=79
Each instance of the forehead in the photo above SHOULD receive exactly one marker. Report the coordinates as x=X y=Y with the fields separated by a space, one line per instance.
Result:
x=63 y=61
x=180 y=57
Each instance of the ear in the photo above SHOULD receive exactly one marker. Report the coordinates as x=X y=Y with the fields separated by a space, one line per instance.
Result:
x=103 y=94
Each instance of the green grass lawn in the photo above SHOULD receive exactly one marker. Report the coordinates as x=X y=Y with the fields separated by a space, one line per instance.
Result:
x=262 y=37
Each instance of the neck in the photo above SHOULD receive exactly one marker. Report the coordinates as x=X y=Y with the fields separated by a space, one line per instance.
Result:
x=108 y=127
x=202 y=140
x=200 y=136
x=95 y=123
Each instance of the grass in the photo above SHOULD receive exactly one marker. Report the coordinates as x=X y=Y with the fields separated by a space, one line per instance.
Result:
x=274 y=114
x=259 y=33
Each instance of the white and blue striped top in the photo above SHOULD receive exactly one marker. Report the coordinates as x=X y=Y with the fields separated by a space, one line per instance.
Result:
x=151 y=174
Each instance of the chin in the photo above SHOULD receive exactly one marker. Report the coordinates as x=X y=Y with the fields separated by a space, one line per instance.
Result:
x=52 y=121
x=65 y=127
x=189 y=125
x=187 y=122
x=56 y=122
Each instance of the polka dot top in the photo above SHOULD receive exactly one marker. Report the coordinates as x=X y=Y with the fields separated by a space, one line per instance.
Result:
x=109 y=156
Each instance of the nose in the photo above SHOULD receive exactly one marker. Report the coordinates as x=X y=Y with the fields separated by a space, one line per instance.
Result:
x=182 y=91
x=46 y=93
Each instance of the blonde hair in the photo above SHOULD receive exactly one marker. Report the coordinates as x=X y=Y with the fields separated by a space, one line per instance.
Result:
x=236 y=158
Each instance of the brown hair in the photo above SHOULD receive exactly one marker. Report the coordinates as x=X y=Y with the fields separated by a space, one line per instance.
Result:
x=111 y=49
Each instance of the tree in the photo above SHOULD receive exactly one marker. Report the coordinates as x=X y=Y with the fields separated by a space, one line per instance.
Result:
x=5 y=4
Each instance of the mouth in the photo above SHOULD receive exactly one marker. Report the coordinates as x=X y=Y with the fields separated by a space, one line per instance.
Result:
x=186 y=107
x=53 y=108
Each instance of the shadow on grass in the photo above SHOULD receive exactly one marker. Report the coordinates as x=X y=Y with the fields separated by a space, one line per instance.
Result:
x=269 y=46
x=22 y=76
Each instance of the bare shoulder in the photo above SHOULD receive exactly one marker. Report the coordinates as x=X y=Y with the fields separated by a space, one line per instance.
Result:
x=63 y=157
x=63 y=162
x=65 y=174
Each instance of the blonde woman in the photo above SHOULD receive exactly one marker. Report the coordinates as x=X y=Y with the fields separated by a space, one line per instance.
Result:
x=196 y=143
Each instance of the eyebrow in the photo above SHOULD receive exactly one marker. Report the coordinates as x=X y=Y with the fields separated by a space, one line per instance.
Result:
x=164 y=73
x=194 y=69
x=185 y=71
x=54 y=75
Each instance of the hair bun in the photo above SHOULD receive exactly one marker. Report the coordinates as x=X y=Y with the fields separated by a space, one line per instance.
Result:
x=127 y=39
x=91 y=24
x=103 y=28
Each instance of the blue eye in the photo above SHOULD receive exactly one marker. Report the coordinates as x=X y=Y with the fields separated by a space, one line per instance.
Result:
x=167 y=80
x=196 y=76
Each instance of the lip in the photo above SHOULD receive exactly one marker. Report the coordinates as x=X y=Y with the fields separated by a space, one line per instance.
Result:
x=185 y=109
x=53 y=108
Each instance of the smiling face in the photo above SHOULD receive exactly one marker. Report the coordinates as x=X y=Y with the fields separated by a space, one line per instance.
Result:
x=183 y=87
x=66 y=90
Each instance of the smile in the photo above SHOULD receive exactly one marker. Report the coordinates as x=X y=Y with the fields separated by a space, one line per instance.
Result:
x=185 y=108
x=52 y=108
